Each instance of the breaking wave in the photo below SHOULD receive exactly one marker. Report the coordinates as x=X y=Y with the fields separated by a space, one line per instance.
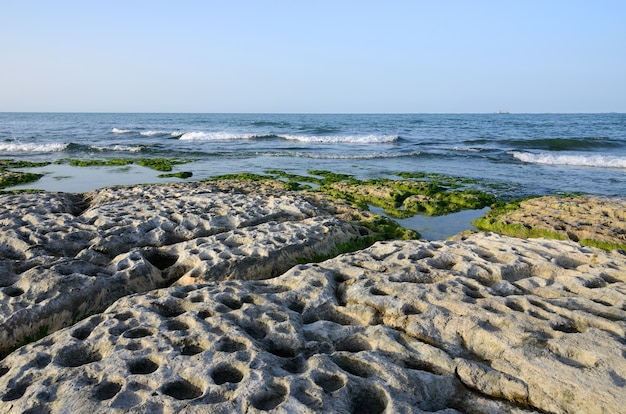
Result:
x=121 y=148
x=343 y=139
x=368 y=156
x=214 y=136
x=33 y=147
x=121 y=131
x=602 y=161
x=309 y=139
x=156 y=133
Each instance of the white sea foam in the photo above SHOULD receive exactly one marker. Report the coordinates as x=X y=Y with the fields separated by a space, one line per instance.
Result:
x=604 y=161
x=121 y=148
x=342 y=139
x=32 y=147
x=326 y=139
x=368 y=156
x=466 y=149
x=214 y=136
x=152 y=133
x=120 y=131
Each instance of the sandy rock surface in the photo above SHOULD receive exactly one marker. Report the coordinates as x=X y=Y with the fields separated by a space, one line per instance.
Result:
x=65 y=256
x=486 y=323
x=577 y=218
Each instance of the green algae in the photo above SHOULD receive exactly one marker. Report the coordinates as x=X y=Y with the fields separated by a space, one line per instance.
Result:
x=528 y=232
x=403 y=199
x=158 y=164
x=604 y=245
x=180 y=174
x=432 y=194
x=161 y=164
x=13 y=178
x=449 y=180
x=240 y=176
x=10 y=178
x=518 y=230
x=380 y=228
x=494 y=221
x=116 y=162
x=8 y=163
x=353 y=245
x=376 y=227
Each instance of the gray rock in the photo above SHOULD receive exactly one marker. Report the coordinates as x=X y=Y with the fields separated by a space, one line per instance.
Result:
x=484 y=324
x=65 y=256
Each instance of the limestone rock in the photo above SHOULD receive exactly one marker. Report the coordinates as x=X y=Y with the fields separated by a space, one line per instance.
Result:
x=65 y=256
x=576 y=218
x=484 y=324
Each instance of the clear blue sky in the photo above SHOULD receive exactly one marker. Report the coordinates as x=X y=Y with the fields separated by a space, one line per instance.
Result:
x=313 y=56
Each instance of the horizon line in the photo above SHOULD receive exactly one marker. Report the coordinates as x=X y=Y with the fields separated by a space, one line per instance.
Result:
x=316 y=113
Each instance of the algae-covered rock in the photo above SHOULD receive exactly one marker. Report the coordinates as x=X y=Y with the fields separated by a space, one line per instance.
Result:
x=429 y=194
x=592 y=221
x=158 y=164
x=407 y=198
x=12 y=178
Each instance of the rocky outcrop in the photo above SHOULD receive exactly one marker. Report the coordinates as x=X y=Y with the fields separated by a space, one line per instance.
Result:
x=65 y=256
x=590 y=220
x=485 y=323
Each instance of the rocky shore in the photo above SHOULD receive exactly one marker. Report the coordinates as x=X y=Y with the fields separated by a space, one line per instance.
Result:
x=211 y=297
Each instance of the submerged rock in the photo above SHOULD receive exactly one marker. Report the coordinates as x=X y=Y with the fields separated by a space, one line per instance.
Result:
x=485 y=323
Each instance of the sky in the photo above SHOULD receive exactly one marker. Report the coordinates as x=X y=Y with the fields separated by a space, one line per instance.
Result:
x=338 y=56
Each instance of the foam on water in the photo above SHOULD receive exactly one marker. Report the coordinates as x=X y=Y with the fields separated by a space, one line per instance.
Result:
x=602 y=161
x=342 y=139
x=155 y=133
x=368 y=156
x=470 y=149
x=121 y=148
x=32 y=147
x=309 y=139
x=214 y=136
x=516 y=149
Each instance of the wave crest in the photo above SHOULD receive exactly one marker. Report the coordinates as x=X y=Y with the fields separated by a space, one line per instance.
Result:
x=121 y=131
x=602 y=161
x=369 y=156
x=342 y=139
x=121 y=148
x=214 y=136
x=309 y=139
x=32 y=147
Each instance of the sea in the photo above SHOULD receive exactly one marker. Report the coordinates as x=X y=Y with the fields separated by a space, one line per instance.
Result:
x=518 y=154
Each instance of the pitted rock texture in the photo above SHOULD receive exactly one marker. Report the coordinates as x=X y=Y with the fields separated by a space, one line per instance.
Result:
x=65 y=256
x=577 y=218
x=484 y=324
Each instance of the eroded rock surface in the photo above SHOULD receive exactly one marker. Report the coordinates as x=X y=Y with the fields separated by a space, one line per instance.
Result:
x=483 y=324
x=64 y=256
x=576 y=218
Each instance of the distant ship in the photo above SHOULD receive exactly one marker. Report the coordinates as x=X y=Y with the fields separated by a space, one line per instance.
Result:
x=505 y=111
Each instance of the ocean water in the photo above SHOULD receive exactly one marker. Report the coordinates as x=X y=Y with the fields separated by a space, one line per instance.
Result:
x=521 y=154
